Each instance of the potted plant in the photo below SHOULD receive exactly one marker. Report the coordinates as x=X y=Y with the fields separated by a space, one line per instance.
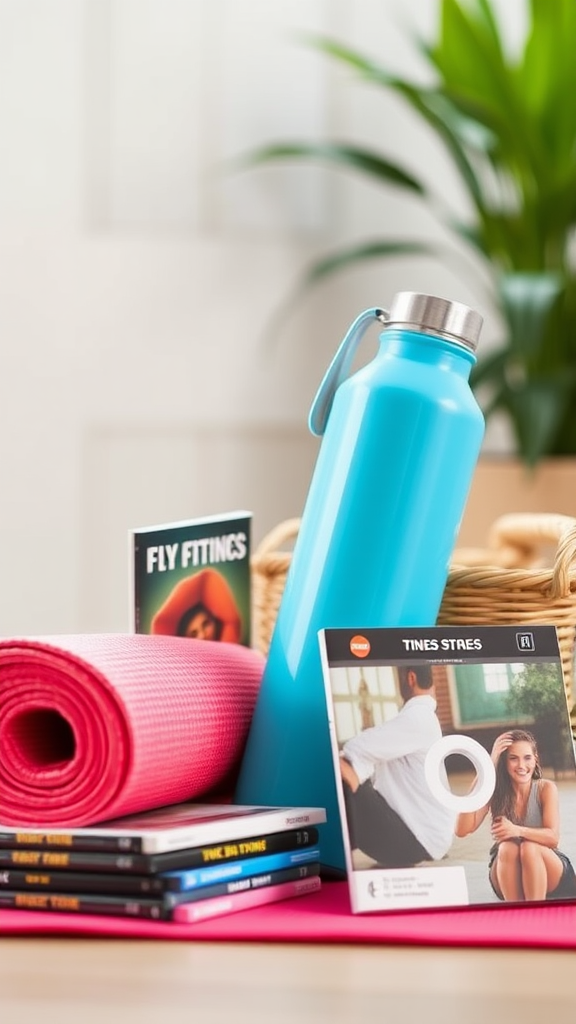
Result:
x=508 y=124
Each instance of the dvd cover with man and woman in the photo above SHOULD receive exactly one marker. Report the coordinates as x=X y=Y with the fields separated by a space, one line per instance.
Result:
x=454 y=763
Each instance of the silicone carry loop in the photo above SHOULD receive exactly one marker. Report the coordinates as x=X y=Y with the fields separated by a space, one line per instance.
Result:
x=339 y=368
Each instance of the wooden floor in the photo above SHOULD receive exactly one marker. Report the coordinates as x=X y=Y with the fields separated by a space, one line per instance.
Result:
x=86 y=981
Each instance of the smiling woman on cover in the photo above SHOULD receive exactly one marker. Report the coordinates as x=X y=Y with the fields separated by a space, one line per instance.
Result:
x=525 y=862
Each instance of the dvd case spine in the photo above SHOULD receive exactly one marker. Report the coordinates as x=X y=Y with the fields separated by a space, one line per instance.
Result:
x=243 y=884
x=161 y=908
x=80 y=882
x=84 y=903
x=145 y=864
x=192 y=913
x=182 y=881
x=153 y=885
x=64 y=841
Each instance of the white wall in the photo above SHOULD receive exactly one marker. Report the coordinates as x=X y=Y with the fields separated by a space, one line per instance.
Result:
x=149 y=369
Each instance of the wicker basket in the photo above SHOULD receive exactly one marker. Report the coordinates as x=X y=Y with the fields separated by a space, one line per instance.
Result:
x=506 y=583
x=269 y=566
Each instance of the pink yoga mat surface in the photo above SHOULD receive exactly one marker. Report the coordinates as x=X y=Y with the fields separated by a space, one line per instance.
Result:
x=325 y=917
x=95 y=726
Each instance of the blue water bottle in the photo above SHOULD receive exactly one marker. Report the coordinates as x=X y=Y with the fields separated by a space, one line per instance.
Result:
x=401 y=438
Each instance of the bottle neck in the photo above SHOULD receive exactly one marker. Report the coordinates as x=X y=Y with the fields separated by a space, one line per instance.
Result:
x=427 y=348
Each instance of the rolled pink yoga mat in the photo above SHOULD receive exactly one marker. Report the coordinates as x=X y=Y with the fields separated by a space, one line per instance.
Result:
x=94 y=726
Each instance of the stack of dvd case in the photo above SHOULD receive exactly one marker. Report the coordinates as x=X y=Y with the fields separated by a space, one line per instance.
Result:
x=185 y=862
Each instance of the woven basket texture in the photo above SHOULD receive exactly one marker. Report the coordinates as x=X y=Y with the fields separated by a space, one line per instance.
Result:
x=526 y=575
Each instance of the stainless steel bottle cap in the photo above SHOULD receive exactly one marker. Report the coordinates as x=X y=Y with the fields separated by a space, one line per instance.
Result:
x=432 y=315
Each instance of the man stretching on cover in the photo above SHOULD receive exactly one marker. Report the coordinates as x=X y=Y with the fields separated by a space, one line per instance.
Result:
x=392 y=815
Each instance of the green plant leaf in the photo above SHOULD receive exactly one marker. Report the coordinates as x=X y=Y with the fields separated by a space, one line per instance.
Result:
x=367 y=68
x=485 y=15
x=456 y=130
x=342 y=259
x=360 y=253
x=342 y=156
x=469 y=48
x=477 y=76
x=466 y=54
x=536 y=409
x=507 y=122
x=547 y=74
x=489 y=369
x=527 y=299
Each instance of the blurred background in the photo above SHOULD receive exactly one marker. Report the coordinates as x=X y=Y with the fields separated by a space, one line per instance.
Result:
x=153 y=367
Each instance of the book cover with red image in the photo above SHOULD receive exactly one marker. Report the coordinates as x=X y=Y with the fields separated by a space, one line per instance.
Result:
x=192 y=578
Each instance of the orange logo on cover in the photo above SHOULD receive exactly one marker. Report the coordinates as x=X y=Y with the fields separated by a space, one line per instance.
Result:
x=360 y=646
